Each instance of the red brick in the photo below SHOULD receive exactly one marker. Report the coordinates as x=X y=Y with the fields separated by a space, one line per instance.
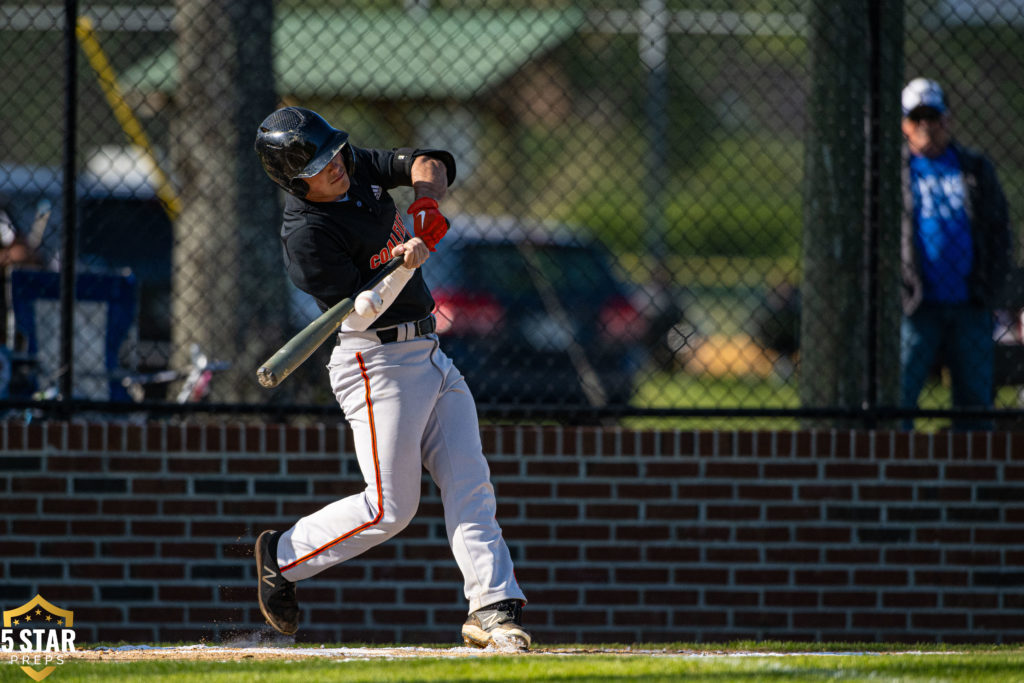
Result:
x=135 y=506
x=254 y=466
x=906 y=600
x=764 y=492
x=674 y=512
x=731 y=471
x=163 y=615
x=39 y=527
x=776 y=534
x=70 y=506
x=731 y=598
x=912 y=556
x=733 y=512
x=791 y=598
x=702 y=576
x=575 y=532
x=98 y=527
x=39 y=485
x=825 y=492
x=731 y=555
x=788 y=471
x=823 y=534
x=849 y=598
x=885 y=493
x=674 y=554
x=670 y=597
x=792 y=513
x=195 y=465
x=188 y=507
x=135 y=464
x=918 y=473
x=851 y=471
x=672 y=470
x=83 y=570
x=158 y=486
x=879 y=620
x=74 y=463
x=704 y=491
x=883 y=577
x=318 y=466
x=644 y=491
x=70 y=549
x=703 y=532
x=972 y=473
x=761 y=577
x=819 y=620
x=583 y=491
x=940 y=578
x=612 y=511
x=792 y=555
x=806 y=577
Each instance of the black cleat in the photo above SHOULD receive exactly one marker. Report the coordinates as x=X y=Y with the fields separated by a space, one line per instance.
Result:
x=498 y=624
x=276 y=593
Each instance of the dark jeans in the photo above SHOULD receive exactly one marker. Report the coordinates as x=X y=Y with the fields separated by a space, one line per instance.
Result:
x=960 y=336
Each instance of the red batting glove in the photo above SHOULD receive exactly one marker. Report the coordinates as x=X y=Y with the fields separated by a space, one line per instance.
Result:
x=428 y=223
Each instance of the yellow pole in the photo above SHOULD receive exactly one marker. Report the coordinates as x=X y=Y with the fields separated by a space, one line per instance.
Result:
x=125 y=116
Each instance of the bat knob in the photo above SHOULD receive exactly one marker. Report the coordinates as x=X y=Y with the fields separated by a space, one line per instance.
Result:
x=266 y=377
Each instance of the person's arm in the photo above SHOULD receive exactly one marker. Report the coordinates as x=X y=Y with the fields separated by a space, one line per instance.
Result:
x=429 y=178
x=430 y=184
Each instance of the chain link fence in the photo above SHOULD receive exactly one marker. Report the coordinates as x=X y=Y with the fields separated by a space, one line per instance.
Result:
x=662 y=210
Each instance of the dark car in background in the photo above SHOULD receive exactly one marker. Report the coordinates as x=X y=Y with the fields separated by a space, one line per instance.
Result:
x=534 y=315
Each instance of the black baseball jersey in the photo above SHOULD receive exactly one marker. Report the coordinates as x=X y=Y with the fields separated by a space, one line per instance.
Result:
x=331 y=249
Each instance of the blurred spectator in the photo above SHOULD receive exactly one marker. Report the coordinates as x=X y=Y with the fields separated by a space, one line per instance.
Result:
x=14 y=251
x=777 y=326
x=659 y=299
x=955 y=250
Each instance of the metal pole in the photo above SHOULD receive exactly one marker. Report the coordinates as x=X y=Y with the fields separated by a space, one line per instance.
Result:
x=652 y=20
x=70 y=202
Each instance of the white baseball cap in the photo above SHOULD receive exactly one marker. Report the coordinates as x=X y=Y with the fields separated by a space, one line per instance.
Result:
x=923 y=92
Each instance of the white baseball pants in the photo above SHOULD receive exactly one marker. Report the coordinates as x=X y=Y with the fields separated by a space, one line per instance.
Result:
x=409 y=408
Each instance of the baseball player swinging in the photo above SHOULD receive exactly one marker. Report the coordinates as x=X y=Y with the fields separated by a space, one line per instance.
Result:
x=406 y=403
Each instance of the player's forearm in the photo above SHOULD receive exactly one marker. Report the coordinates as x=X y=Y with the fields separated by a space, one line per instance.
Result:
x=429 y=178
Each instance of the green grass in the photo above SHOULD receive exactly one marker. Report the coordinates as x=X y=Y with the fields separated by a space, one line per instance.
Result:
x=885 y=664
x=684 y=390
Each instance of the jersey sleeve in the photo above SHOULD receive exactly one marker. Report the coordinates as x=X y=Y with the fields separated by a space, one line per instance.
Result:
x=393 y=168
x=320 y=265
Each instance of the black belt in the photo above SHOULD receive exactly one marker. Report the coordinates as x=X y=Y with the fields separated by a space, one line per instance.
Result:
x=390 y=334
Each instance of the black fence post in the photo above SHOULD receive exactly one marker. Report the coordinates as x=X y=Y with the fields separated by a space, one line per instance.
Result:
x=70 y=202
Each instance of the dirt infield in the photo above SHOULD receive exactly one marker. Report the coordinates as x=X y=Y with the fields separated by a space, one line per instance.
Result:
x=234 y=653
x=264 y=652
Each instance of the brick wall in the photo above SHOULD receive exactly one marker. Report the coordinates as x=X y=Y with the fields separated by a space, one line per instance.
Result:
x=145 y=532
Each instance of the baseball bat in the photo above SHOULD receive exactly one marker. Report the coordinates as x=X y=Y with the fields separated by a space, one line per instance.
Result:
x=300 y=347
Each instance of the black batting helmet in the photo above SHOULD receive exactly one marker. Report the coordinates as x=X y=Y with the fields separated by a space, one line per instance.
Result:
x=295 y=143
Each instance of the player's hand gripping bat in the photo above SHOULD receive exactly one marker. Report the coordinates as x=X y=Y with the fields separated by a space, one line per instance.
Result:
x=300 y=347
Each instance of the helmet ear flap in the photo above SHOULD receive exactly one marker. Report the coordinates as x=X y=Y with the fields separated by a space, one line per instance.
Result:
x=298 y=187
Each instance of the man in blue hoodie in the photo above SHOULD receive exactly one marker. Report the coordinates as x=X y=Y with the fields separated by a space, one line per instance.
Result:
x=955 y=251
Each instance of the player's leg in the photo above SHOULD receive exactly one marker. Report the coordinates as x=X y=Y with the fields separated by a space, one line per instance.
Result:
x=386 y=395
x=386 y=404
x=454 y=457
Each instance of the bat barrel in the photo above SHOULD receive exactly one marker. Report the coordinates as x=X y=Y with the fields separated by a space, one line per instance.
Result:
x=267 y=378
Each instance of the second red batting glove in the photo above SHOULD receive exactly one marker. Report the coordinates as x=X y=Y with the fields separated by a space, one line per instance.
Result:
x=428 y=223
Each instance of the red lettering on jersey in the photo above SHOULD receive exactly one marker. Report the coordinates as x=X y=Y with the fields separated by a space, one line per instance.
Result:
x=398 y=229
x=398 y=235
